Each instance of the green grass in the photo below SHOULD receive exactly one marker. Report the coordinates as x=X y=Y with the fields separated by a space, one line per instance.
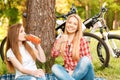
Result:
x=3 y=68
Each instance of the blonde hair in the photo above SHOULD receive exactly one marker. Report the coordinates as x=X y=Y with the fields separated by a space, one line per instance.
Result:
x=76 y=40
x=12 y=42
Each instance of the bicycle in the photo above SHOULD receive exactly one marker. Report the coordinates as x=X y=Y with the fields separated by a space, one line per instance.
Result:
x=112 y=40
x=93 y=37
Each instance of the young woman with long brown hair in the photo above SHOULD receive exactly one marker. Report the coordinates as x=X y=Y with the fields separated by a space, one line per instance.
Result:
x=21 y=55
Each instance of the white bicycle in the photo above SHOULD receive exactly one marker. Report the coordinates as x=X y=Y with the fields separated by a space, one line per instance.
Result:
x=112 y=40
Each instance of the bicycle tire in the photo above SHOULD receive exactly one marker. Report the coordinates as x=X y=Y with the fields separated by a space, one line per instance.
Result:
x=105 y=56
x=116 y=38
x=2 y=48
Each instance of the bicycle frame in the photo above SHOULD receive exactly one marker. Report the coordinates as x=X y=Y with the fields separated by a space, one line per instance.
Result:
x=101 y=24
x=104 y=36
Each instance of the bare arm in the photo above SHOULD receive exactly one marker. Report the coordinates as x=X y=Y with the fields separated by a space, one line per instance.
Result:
x=40 y=54
x=18 y=66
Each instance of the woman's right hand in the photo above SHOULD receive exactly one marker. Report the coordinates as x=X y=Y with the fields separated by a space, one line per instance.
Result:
x=63 y=38
x=39 y=73
x=70 y=72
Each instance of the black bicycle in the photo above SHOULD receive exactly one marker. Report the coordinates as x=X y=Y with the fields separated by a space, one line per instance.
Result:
x=2 y=48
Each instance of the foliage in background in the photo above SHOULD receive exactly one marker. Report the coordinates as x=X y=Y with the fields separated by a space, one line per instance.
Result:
x=3 y=69
x=12 y=10
x=10 y=13
x=2 y=33
x=88 y=8
x=13 y=15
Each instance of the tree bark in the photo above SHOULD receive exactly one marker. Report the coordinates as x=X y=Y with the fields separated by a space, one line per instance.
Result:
x=41 y=21
x=115 y=22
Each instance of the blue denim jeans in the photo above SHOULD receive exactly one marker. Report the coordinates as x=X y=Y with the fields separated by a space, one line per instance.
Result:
x=29 y=77
x=83 y=71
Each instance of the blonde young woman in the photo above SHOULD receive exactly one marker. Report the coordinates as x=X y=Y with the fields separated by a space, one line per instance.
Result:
x=75 y=52
x=21 y=55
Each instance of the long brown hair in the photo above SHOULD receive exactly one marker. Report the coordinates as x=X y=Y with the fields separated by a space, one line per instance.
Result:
x=76 y=40
x=12 y=43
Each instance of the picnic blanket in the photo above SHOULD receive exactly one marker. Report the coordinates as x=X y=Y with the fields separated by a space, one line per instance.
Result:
x=12 y=77
x=7 y=77
x=48 y=76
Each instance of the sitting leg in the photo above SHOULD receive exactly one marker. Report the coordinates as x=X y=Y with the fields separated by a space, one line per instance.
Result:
x=61 y=73
x=84 y=70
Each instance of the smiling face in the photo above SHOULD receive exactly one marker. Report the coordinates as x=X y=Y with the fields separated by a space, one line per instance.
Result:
x=72 y=25
x=21 y=36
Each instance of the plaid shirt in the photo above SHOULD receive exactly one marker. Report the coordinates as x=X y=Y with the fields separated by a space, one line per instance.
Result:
x=69 y=63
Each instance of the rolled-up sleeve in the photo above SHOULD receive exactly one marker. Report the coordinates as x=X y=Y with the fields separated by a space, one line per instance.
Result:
x=54 y=52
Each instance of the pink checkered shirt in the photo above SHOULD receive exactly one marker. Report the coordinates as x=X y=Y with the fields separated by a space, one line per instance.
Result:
x=69 y=63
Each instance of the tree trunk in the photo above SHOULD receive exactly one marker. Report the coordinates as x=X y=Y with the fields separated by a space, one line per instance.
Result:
x=41 y=21
x=115 y=22
x=86 y=10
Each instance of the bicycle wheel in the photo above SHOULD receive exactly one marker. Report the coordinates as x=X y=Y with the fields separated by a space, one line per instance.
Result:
x=116 y=45
x=98 y=60
x=114 y=41
x=2 y=48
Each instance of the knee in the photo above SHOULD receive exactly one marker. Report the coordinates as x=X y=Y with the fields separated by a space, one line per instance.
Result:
x=54 y=67
x=86 y=61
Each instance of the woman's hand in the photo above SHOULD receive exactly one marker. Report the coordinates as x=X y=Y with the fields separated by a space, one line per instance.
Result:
x=63 y=38
x=39 y=73
x=70 y=72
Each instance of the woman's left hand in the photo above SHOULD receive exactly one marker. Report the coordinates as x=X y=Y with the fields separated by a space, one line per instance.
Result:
x=70 y=72
x=39 y=73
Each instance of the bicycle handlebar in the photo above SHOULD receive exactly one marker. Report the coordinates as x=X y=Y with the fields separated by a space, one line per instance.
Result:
x=103 y=10
x=72 y=11
x=91 y=21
